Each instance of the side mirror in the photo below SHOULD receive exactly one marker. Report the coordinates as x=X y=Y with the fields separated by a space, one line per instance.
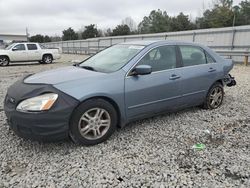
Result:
x=14 y=49
x=142 y=70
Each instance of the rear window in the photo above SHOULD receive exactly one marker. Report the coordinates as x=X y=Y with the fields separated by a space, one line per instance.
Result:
x=32 y=46
x=192 y=55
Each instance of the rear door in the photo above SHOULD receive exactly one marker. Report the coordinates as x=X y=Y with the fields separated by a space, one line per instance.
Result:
x=18 y=53
x=198 y=73
x=149 y=94
x=33 y=53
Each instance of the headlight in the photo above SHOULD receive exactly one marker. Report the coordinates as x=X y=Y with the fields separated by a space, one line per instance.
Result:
x=39 y=103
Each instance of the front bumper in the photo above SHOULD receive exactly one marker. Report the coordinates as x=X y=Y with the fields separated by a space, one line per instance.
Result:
x=49 y=125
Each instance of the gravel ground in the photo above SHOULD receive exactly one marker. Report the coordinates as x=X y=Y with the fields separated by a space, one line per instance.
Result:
x=155 y=152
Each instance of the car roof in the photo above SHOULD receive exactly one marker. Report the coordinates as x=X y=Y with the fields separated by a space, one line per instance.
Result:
x=158 y=42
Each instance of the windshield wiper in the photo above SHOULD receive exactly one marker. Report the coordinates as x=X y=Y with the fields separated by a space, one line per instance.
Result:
x=88 y=68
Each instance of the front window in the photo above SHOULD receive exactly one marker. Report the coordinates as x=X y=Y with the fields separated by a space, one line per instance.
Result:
x=112 y=59
x=160 y=58
x=19 y=47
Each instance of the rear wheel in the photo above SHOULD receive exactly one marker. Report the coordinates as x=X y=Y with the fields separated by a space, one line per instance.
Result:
x=214 y=97
x=47 y=59
x=93 y=122
x=4 y=61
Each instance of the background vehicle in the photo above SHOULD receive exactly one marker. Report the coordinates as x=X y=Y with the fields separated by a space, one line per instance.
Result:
x=25 y=52
x=118 y=85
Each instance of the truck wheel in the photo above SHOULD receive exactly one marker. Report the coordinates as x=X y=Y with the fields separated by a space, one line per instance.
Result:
x=4 y=61
x=47 y=59
x=93 y=122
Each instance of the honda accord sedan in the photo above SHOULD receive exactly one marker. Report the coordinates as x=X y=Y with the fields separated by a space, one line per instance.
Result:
x=120 y=84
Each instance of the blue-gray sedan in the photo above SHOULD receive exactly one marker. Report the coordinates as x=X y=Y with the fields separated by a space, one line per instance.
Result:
x=120 y=84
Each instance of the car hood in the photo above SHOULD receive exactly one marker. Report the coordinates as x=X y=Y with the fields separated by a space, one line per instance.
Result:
x=61 y=75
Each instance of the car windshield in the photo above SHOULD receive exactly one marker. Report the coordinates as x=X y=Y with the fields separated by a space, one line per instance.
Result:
x=111 y=59
x=9 y=47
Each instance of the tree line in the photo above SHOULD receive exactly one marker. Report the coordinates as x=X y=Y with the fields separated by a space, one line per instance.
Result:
x=222 y=14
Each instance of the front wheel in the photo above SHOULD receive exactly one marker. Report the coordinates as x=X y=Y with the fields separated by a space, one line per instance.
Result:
x=47 y=59
x=214 y=97
x=93 y=122
x=4 y=61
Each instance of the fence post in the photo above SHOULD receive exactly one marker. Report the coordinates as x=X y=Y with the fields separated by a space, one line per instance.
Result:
x=246 y=60
x=73 y=46
x=68 y=47
x=194 y=34
x=233 y=37
x=98 y=47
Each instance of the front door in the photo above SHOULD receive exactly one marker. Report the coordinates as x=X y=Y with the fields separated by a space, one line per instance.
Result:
x=18 y=53
x=159 y=91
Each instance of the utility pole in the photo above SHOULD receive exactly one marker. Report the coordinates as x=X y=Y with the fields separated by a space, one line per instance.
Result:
x=27 y=33
x=234 y=20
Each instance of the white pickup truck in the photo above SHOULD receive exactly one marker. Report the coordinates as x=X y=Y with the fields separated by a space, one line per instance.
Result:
x=25 y=52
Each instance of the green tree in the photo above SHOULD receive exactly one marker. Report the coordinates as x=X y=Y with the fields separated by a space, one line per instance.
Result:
x=69 y=34
x=243 y=13
x=181 y=23
x=221 y=15
x=90 y=32
x=157 y=21
x=37 y=38
x=47 y=38
x=121 y=30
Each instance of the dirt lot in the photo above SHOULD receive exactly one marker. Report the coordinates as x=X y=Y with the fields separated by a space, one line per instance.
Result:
x=155 y=152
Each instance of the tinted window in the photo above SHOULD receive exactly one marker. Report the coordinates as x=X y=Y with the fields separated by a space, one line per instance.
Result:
x=20 y=47
x=192 y=55
x=160 y=58
x=32 y=46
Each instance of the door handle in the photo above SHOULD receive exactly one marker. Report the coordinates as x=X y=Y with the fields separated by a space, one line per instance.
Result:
x=174 y=77
x=211 y=69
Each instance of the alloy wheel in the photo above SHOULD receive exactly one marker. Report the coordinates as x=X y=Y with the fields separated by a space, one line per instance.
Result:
x=4 y=61
x=47 y=59
x=94 y=123
x=216 y=97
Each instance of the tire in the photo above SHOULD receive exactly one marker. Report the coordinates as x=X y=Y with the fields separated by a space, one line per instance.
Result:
x=47 y=59
x=88 y=118
x=4 y=61
x=214 y=97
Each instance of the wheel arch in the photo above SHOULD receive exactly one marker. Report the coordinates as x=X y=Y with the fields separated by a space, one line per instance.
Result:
x=219 y=81
x=48 y=54
x=5 y=55
x=111 y=101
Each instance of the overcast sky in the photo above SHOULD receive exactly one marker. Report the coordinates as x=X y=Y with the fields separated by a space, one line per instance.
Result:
x=52 y=16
